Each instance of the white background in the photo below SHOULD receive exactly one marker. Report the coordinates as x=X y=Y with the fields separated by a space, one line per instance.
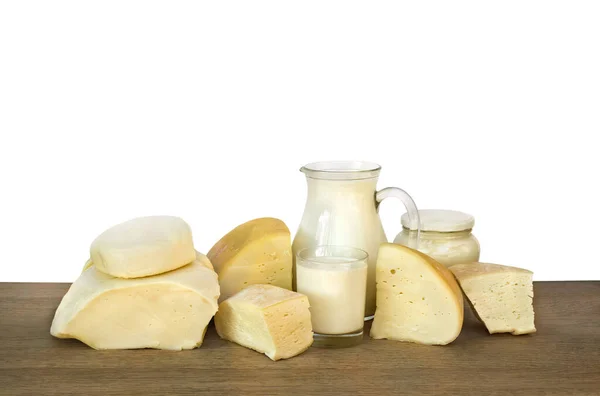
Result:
x=115 y=109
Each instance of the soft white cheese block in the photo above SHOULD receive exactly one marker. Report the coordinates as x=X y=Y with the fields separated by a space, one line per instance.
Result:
x=201 y=258
x=268 y=319
x=87 y=265
x=256 y=252
x=418 y=299
x=143 y=246
x=502 y=296
x=166 y=311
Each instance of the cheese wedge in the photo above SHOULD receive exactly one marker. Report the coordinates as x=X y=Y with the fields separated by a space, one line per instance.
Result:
x=502 y=296
x=143 y=246
x=256 y=252
x=201 y=258
x=418 y=299
x=268 y=319
x=166 y=311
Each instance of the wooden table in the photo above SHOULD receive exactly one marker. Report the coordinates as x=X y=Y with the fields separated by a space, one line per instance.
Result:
x=563 y=358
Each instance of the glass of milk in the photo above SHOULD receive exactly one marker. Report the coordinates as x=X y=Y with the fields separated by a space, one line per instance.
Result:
x=334 y=278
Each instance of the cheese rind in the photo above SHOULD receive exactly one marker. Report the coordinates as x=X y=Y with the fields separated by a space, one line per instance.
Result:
x=502 y=296
x=418 y=299
x=256 y=252
x=268 y=319
x=143 y=246
x=166 y=311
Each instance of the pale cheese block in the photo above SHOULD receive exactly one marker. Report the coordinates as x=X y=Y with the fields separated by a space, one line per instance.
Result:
x=143 y=246
x=268 y=319
x=418 y=299
x=201 y=258
x=166 y=311
x=502 y=296
x=87 y=264
x=256 y=252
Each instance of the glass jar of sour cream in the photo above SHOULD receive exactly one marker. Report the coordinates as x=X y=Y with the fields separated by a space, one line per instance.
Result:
x=445 y=236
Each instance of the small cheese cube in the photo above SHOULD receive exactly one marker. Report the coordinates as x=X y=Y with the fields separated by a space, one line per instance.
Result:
x=256 y=252
x=143 y=246
x=502 y=296
x=268 y=319
x=418 y=299
x=166 y=311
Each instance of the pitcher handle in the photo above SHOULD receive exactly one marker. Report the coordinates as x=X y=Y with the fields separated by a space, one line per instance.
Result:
x=411 y=208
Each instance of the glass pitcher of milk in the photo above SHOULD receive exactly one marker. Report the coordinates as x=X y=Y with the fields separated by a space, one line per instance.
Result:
x=342 y=209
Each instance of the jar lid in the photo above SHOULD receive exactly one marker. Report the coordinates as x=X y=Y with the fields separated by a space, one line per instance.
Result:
x=439 y=220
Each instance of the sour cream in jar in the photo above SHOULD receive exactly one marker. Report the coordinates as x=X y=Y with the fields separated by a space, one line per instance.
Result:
x=445 y=236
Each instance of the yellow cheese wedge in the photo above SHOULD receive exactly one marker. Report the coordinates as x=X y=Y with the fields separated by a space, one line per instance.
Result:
x=268 y=319
x=418 y=299
x=143 y=246
x=502 y=296
x=201 y=258
x=166 y=311
x=256 y=252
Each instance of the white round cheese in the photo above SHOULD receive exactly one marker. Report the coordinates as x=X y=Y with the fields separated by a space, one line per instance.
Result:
x=143 y=246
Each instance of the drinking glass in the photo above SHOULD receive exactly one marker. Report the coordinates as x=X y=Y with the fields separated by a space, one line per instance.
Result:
x=334 y=278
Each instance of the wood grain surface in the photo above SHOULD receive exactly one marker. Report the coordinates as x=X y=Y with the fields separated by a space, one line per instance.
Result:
x=562 y=358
